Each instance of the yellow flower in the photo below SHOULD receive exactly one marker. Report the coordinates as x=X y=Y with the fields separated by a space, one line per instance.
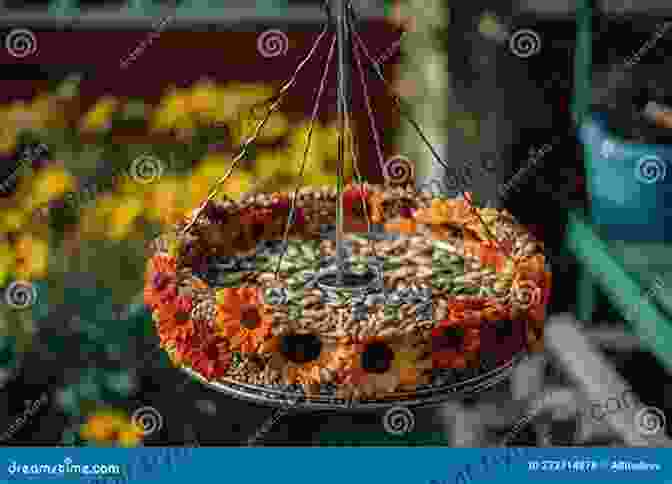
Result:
x=8 y=135
x=49 y=185
x=94 y=219
x=321 y=179
x=130 y=435
x=243 y=128
x=228 y=105
x=7 y=261
x=32 y=257
x=174 y=107
x=273 y=163
x=199 y=188
x=99 y=116
x=213 y=167
x=22 y=117
x=165 y=201
x=123 y=217
x=111 y=427
x=203 y=98
x=234 y=101
x=47 y=111
x=102 y=426
x=7 y=140
x=13 y=219
x=251 y=94
x=315 y=161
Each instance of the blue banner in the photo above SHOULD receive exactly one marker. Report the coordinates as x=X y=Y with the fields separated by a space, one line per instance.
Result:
x=336 y=465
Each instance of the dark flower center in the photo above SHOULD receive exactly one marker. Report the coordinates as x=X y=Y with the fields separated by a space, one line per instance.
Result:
x=249 y=317
x=300 y=348
x=160 y=281
x=215 y=213
x=377 y=358
x=452 y=339
x=211 y=351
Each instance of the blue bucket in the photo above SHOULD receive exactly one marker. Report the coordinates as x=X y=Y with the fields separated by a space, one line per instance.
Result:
x=630 y=184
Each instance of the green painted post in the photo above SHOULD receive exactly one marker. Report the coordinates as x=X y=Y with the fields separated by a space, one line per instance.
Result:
x=200 y=8
x=64 y=8
x=586 y=289
x=140 y=8
x=273 y=8
x=623 y=290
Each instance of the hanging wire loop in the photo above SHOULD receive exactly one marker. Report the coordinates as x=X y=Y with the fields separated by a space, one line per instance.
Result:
x=274 y=107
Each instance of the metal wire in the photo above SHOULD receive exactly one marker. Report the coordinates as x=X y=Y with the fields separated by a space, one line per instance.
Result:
x=290 y=218
x=269 y=423
x=391 y=50
x=274 y=107
x=369 y=110
x=358 y=174
x=398 y=102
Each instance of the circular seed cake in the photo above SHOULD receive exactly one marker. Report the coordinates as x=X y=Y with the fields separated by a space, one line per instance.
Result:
x=455 y=290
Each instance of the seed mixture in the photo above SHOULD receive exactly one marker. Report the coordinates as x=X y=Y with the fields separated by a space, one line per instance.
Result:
x=445 y=296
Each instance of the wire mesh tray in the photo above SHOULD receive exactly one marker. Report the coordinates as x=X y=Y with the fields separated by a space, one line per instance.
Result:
x=424 y=396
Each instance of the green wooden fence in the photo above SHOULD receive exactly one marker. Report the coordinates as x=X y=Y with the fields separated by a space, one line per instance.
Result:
x=213 y=10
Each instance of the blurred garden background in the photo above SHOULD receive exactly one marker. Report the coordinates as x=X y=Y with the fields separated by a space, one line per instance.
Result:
x=101 y=150
x=99 y=158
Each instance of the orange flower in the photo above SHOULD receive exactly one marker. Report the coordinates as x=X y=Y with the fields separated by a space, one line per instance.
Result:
x=175 y=322
x=242 y=318
x=466 y=317
x=468 y=302
x=497 y=312
x=109 y=427
x=531 y=272
x=489 y=252
x=376 y=207
x=207 y=354
x=410 y=368
x=402 y=369
x=451 y=212
x=404 y=226
x=454 y=344
x=160 y=280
